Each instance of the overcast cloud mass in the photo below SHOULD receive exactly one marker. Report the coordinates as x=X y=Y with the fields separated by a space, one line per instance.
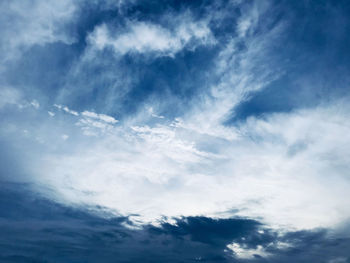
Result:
x=175 y=131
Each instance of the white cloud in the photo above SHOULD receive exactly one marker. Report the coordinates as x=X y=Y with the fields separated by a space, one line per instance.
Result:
x=66 y=109
x=34 y=22
x=92 y=123
x=248 y=22
x=154 y=115
x=278 y=169
x=247 y=253
x=58 y=106
x=9 y=96
x=93 y=127
x=102 y=117
x=142 y=37
x=35 y=104
x=12 y=96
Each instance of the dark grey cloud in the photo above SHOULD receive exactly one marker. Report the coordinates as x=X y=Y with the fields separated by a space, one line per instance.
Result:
x=35 y=229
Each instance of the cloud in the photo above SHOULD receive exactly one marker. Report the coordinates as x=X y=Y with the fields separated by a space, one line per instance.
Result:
x=35 y=104
x=39 y=229
x=12 y=96
x=9 y=96
x=66 y=109
x=260 y=168
x=91 y=123
x=33 y=23
x=247 y=253
x=143 y=37
x=101 y=117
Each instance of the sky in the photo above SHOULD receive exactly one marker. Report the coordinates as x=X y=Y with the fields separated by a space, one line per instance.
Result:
x=175 y=131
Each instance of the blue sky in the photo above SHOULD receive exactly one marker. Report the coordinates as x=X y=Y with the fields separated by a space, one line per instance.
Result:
x=174 y=131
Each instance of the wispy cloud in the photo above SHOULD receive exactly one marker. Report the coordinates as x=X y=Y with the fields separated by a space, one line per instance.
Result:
x=102 y=117
x=33 y=23
x=143 y=37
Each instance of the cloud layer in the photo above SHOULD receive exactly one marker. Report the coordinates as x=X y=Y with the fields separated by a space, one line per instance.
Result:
x=40 y=230
x=218 y=128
